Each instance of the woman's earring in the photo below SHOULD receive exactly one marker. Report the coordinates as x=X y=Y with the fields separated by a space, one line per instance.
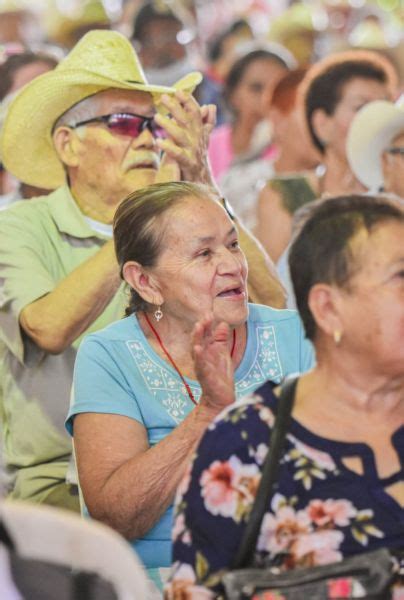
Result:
x=158 y=314
x=337 y=335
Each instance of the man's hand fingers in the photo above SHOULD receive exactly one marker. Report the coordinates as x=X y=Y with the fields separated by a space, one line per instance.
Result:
x=169 y=170
x=182 y=107
x=208 y=112
x=175 y=152
x=174 y=130
x=188 y=130
x=188 y=102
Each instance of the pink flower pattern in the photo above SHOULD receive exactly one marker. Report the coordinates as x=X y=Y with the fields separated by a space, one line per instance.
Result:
x=306 y=536
x=180 y=531
x=265 y=414
x=317 y=516
x=331 y=512
x=227 y=485
x=279 y=531
x=184 y=585
x=322 y=459
x=316 y=548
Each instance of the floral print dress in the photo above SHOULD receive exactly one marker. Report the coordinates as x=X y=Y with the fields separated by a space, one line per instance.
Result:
x=320 y=512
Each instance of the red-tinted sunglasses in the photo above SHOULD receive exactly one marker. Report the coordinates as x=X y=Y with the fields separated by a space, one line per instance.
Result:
x=128 y=124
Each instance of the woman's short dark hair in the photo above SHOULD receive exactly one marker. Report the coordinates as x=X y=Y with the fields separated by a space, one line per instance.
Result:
x=321 y=250
x=322 y=87
x=15 y=62
x=284 y=94
x=139 y=228
x=241 y=65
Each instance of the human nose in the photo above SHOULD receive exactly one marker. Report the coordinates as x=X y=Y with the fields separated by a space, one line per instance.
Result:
x=145 y=140
x=229 y=262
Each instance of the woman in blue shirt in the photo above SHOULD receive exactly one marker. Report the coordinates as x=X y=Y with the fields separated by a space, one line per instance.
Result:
x=137 y=410
x=339 y=487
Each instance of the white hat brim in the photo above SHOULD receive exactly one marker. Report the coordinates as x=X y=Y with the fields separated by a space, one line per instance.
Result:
x=370 y=133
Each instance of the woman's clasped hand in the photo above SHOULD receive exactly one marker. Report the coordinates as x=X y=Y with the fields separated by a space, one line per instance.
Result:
x=138 y=409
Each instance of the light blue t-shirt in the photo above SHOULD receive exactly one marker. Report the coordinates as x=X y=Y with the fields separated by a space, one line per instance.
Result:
x=118 y=372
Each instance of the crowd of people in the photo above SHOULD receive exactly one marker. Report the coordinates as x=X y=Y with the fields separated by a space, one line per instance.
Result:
x=186 y=222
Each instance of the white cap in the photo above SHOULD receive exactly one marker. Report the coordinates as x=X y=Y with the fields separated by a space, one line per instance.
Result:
x=371 y=132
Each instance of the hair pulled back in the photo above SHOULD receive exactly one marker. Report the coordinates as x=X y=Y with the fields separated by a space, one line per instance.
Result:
x=139 y=226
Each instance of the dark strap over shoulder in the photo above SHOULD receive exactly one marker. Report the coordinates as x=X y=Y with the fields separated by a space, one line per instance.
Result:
x=268 y=481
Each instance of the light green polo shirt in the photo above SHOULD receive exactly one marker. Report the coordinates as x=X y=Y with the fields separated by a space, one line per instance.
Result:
x=41 y=241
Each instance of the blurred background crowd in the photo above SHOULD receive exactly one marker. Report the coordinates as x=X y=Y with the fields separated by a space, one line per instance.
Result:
x=308 y=29
x=243 y=48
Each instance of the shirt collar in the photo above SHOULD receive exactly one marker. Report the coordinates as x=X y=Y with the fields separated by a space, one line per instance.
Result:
x=68 y=217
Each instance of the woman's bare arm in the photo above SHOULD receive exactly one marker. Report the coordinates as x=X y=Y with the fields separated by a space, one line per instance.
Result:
x=126 y=483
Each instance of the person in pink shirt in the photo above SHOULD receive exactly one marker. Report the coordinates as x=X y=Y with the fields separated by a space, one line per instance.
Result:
x=247 y=137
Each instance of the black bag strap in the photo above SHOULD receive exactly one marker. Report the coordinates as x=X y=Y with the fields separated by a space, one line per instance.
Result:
x=270 y=469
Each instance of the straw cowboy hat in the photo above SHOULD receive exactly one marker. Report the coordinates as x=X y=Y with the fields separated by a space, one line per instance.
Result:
x=371 y=132
x=100 y=60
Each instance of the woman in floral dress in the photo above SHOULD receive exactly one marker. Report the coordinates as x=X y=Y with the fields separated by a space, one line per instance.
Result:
x=340 y=485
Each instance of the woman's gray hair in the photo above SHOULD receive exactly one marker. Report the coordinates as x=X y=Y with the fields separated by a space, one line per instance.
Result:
x=139 y=228
x=83 y=110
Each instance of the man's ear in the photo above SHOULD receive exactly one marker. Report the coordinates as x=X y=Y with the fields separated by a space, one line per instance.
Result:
x=66 y=142
x=324 y=306
x=322 y=125
x=138 y=278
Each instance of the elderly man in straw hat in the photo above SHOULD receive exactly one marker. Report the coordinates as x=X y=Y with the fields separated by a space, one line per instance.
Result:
x=88 y=129
x=375 y=146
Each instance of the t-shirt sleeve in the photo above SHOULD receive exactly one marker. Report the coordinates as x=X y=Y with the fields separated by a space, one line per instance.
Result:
x=100 y=384
x=24 y=278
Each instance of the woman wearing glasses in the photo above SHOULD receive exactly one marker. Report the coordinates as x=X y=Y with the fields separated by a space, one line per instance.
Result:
x=137 y=410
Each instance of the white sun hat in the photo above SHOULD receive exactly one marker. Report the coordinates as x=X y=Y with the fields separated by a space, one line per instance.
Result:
x=371 y=132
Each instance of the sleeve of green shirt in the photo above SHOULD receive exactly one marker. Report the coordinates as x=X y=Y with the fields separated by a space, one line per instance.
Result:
x=24 y=276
